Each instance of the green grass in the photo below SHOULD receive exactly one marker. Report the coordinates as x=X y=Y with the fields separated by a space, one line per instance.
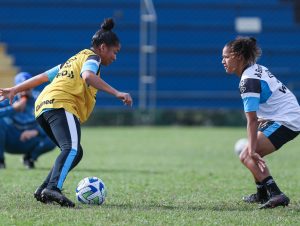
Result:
x=155 y=176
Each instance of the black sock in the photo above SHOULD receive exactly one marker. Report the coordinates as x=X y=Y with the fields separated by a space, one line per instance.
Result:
x=271 y=186
x=261 y=190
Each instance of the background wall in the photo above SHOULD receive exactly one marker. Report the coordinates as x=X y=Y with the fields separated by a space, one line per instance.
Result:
x=38 y=35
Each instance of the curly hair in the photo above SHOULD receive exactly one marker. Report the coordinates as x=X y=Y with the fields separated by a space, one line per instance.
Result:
x=246 y=47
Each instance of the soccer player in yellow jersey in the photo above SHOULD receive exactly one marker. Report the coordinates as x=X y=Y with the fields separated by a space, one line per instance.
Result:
x=68 y=101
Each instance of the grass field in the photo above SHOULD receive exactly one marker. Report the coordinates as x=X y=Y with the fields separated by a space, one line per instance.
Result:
x=155 y=176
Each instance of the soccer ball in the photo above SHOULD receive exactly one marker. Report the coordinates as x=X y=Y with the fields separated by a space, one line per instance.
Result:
x=240 y=145
x=91 y=190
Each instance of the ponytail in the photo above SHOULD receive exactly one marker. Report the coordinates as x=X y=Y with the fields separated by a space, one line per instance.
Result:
x=105 y=34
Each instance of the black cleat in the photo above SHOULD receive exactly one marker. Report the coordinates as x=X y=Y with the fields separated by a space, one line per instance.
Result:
x=276 y=200
x=56 y=196
x=255 y=198
x=28 y=163
x=38 y=194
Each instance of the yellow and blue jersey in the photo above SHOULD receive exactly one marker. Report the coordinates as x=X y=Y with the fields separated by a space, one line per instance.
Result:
x=67 y=89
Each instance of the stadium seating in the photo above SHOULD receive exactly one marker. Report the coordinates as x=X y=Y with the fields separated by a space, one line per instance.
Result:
x=7 y=68
x=191 y=35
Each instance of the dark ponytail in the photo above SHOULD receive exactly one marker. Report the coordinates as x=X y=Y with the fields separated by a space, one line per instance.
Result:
x=105 y=34
x=108 y=24
x=247 y=48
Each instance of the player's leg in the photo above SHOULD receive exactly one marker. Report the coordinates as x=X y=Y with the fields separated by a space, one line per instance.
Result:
x=38 y=191
x=264 y=147
x=66 y=130
x=278 y=135
x=271 y=137
x=46 y=127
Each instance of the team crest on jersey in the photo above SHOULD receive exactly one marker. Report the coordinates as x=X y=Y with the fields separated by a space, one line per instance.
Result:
x=250 y=85
x=242 y=86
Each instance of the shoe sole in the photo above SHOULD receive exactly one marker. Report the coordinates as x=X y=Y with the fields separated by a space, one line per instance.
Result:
x=262 y=201
x=269 y=205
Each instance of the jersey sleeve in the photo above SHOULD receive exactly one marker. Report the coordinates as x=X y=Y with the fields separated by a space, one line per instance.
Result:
x=250 y=90
x=52 y=72
x=92 y=63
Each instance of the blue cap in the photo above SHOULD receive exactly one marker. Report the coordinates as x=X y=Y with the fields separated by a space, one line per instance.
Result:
x=21 y=77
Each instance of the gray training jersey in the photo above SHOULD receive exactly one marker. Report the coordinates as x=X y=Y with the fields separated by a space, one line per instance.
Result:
x=262 y=92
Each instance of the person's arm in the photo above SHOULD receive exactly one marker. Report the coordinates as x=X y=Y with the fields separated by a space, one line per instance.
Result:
x=250 y=90
x=252 y=124
x=28 y=134
x=98 y=83
x=9 y=93
x=251 y=131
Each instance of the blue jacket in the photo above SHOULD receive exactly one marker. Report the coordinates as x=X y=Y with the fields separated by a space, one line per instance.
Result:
x=22 y=120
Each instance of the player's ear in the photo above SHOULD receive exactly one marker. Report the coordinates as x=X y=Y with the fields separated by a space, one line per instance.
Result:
x=239 y=57
x=102 y=47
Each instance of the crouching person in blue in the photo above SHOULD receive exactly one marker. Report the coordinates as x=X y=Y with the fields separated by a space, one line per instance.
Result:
x=19 y=131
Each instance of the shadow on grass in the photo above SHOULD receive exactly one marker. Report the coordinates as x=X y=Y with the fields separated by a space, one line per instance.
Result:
x=145 y=206
x=102 y=170
x=219 y=207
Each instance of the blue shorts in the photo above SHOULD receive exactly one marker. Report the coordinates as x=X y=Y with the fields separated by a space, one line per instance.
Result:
x=277 y=133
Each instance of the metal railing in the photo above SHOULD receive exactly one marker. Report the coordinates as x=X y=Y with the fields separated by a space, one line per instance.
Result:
x=148 y=51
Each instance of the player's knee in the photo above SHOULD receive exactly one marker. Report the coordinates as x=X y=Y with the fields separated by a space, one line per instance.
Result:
x=66 y=147
x=244 y=156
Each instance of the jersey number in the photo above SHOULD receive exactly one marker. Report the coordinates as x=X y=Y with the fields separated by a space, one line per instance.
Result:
x=283 y=89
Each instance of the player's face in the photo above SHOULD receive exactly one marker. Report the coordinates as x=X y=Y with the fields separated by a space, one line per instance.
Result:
x=230 y=61
x=108 y=54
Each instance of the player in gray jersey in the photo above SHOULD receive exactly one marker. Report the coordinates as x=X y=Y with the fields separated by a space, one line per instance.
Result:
x=272 y=112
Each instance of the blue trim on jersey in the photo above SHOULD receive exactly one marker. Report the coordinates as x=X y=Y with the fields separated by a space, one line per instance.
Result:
x=52 y=72
x=251 y=104
x=90 y=65
x=265 y=91
x=271 y=129
x=66 y=167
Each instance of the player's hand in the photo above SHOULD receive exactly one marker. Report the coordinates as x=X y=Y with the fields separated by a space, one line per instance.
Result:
x=28 y=134
x=259 y=161
x=125 y=97
x=20 y=104
x=8 y=93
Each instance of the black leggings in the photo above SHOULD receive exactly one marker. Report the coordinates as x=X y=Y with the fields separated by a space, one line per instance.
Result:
x=63 y=128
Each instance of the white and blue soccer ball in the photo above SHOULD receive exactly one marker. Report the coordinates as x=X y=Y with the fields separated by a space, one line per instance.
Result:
x=240 y=145
x=91 y=190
